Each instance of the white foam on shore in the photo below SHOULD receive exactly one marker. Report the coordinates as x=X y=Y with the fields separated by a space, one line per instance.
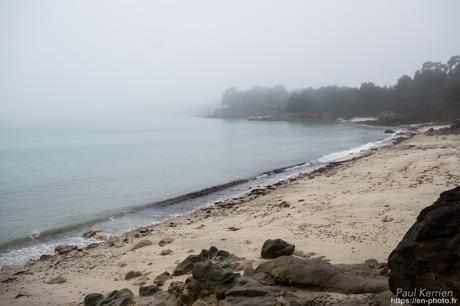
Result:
x=22 y=255
x=353 y=152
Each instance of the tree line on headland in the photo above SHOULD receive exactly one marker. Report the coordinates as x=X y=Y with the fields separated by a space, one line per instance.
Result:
x=432 y=94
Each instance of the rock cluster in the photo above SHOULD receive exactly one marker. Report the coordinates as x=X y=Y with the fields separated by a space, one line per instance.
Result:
x=215 y=279
x=428 y=255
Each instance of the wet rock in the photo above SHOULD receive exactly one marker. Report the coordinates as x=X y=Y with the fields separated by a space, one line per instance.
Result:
x=56 y=280
x=148 y=290
x=276 y=248
x=46 y=257
x=93 y=299
x=92 y=245
x=427 y=256
x=289 y=270
x=141 y=244
x=64 y=249
x=162 y=278
x=165 y=241
x=91 y=233
x=132 y=274
x=389 y=131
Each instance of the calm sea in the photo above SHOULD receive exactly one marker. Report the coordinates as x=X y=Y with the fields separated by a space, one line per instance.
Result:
x=58 y=177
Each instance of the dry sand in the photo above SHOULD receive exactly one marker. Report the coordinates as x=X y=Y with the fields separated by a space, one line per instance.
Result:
x=347 y=213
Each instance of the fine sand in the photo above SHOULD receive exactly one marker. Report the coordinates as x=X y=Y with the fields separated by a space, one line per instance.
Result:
x=348 y=213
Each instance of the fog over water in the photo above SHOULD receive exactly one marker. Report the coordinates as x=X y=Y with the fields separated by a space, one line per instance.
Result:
x=107 y=57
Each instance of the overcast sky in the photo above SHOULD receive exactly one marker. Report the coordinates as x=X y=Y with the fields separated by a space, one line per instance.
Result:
x=85 y=57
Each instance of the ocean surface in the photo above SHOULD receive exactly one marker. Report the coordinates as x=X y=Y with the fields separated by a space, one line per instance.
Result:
x=61 y=177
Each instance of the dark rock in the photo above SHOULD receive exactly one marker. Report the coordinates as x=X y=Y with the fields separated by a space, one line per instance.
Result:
x=148 y=290
x=221 y=254
x=121 y=297
x=186 y=265
x=162 y=278
x=64 y=249
x=132 y=274
x=427 y=256
x=176 y=287
x=211 y=274
x=162 y=298
x=276 y=248
x=21 y=294
x=193 y=289
x=289 y=270
x=93 y=299
x=92 y=245
x=264 y=278
x=46 y=257
x=389 y=131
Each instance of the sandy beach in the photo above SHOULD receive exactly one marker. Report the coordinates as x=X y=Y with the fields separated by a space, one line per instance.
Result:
x=346 y=213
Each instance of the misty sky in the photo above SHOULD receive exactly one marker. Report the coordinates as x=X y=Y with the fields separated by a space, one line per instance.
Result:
x=89 y=57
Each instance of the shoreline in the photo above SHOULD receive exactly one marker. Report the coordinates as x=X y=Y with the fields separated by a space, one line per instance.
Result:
x=346 y=212
x=73 y=233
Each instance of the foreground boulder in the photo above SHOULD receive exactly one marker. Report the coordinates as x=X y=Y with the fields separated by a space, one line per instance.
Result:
x=276 y=248
x=320 y=274
x=121 y=297
x=428 y=255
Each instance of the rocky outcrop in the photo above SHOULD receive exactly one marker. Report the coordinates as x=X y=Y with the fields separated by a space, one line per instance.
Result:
x=215 y=279
x=428 y=255
x=276 y=248
x=320 y=274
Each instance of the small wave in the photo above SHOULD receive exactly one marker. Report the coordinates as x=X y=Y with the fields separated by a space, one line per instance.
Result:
x=35 y=234
x=350 y=153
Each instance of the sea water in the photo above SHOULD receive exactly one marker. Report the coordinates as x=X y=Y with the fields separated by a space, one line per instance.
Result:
x=61 y=176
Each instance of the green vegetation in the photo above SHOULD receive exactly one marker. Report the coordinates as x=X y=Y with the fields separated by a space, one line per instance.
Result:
x=433 y=93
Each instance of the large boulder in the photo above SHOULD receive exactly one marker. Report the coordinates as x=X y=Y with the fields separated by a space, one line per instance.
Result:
x=276 y=248
x=320 y=274
x=428 y=255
